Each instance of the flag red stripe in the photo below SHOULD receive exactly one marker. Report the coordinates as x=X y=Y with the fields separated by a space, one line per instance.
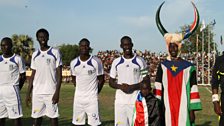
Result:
x=174 y=94
x=195 y=20
x=195 y=95
x=157 y=92
x=140 y=117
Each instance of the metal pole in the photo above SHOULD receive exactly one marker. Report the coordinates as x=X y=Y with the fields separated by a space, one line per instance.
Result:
x=209 y=40
x=202 y=70
x=197 y=55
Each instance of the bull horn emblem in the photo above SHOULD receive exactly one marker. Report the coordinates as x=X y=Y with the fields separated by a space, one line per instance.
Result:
x=189 y=32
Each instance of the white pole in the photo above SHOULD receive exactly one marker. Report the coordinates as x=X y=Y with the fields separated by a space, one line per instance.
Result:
x=202 y=70
x=209 y=37
x=197 y=56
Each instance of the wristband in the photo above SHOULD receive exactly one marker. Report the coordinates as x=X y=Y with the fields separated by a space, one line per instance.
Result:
x=215 y=97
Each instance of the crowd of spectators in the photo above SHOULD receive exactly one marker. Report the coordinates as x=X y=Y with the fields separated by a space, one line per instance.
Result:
x=153 y=59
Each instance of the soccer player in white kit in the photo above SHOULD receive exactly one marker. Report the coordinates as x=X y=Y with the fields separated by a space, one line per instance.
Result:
x=45 y=81
x=88 y=78
x=12 y=73
x=126 y=75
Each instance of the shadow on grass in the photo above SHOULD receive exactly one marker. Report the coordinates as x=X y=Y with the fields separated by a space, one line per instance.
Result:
x=46 y=122
x=108 y=123
x=207 y=123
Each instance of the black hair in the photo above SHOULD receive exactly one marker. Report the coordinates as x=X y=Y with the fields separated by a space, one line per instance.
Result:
x=146 y=82
x=126 y=38
x=43 y=31
x=8 y=40
x=84 y=40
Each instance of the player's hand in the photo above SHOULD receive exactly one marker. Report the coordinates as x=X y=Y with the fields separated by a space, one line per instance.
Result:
x=55 y=98
x=192 y=116
x=28 y=100
x=126 y=88
x=217 y=108
x=123 y=87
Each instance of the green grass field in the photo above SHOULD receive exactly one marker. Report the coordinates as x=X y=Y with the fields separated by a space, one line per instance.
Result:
x=206 y=117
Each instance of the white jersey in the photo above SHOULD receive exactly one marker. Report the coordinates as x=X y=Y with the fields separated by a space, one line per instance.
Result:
x=10 y=70
x=127 y=71
x=45 y=64
x=86 y=77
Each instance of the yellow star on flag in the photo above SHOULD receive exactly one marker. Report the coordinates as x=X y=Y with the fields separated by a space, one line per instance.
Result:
x=173 y=68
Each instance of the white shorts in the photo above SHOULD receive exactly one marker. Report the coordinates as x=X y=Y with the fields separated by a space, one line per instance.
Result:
x=10 y=102
x=123 y=114
x=89 y=108
x=42 y=106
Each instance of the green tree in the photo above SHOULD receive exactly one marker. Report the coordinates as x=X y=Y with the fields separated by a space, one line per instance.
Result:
x=189 y=45
x=69 y=52
x=23 y=46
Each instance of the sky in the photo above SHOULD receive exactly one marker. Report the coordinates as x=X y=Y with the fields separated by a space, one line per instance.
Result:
x=104 y=22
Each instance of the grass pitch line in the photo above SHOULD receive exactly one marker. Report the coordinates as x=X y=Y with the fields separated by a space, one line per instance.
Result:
x=208 y=90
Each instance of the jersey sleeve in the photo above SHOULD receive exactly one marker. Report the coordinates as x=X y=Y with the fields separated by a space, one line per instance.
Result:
x=58 y=59
x=144 y=68
x=195 y=102
x=113 y=71
x=21 y=64
x=33 y=65
x=215 y=77
x=72 y=69
x=99 y=69
x=144 y=64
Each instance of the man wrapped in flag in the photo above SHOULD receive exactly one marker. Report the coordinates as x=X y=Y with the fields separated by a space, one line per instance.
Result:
x=176 y=85
x=216 y=82
x=176 y=81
